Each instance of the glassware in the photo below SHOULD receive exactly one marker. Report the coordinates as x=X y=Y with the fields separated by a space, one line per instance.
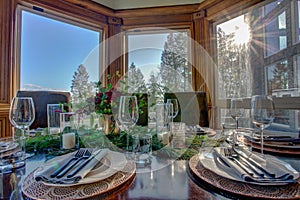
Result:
x=262 y=114
x=22 y=113
x=128 y=115
x=69 y=122
x=174 y=102
x=53 y=111
x=163 y=119
x=236 y=111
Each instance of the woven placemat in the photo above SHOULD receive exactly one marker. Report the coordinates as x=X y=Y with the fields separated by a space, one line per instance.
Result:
x=231 y=187
x=37 y=190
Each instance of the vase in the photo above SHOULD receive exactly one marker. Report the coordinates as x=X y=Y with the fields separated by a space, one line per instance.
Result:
x=108 y=123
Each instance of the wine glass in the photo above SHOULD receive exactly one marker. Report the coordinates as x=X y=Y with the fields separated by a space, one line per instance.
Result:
x=174 y=103
x=128 y=114
x=262 y=114
x=22 y=113
x=236 y=111
x=21 y=116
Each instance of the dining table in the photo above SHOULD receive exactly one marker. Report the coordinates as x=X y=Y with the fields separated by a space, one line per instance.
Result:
x=161 y=179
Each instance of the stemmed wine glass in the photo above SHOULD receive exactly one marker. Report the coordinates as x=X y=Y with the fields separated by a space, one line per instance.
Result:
x=236 y=111
x=174 y=103
x=21 y=116
x=128 y=114
x=262 y=114
x=22 y=113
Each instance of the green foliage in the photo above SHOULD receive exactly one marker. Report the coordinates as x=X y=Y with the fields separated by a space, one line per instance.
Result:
x=50 y=144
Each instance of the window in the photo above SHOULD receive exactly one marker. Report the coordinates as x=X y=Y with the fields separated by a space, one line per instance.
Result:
x=159 y=58
x=53 y=48
x=267 y=64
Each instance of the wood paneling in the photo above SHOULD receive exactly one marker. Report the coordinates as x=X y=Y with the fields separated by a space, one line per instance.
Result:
x=68 y=8
x=7 y=8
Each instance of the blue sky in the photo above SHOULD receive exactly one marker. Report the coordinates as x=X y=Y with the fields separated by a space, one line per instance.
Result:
x=51 y=52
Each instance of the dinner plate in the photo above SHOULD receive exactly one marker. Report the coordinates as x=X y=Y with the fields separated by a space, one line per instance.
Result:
x=278 y=144
x=7 y=146
x=111 y=164
x=208 y=161
x=201 y=131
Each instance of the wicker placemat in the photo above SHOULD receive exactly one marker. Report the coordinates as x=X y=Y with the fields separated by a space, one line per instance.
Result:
x=231 y=187
x=37 y=190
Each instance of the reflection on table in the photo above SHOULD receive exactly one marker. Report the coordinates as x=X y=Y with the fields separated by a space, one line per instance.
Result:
x=162 y=179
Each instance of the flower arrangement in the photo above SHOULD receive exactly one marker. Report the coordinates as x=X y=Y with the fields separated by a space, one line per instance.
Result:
x=106 y=98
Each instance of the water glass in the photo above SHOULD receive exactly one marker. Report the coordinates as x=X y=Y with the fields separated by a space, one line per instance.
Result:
x=142 y=148
x=12 y=153
x=69 y=130
x=163 y=119
x=53 y=113
x=245 y=136
x=178 y=134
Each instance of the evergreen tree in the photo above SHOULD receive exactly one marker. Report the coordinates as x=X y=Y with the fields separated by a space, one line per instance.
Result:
x=81 y=89
x=155 y=89
x=174 y=69
x=234 y=77
x=280 y=74
x=136 y=80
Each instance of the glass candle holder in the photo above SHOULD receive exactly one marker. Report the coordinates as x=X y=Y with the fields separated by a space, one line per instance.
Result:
x=69 y=131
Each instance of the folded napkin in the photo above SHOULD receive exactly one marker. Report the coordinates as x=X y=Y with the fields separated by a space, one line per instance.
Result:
x=43 y=173
x=252 y=168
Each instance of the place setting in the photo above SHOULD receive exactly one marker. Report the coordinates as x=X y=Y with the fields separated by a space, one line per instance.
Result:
x=234 y=167
x=84 y=173
x=239 y=171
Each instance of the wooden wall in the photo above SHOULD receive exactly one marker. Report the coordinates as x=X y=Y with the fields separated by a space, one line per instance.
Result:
x=196 y=17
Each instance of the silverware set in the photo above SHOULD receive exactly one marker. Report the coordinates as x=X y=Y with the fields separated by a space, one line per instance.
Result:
x=250 y=169
x=73 y=164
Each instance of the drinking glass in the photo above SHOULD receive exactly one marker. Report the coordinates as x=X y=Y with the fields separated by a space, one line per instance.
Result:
x=128 y=114
x=236 y=111
x=22 y=113
x=174 y=102
x=262 y=114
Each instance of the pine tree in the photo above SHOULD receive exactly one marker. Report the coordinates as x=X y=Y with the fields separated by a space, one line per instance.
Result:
x=234 y=77
x=81 y=89
x=136 y=80
x=280 y=74
x=174 y=70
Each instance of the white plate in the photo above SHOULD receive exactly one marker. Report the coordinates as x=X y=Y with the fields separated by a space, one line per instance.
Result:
x=112 y=163
x=208 y=162
x=7 y=146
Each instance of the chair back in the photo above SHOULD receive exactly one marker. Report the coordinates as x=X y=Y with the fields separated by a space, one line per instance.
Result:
x=193 y=107
x=40 y=100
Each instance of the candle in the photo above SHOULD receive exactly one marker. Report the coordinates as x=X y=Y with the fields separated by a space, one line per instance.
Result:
x=54 y=130
x=68 y=140
x=164 y=137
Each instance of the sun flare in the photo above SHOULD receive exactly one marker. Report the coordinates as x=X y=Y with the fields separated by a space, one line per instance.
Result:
x=239 y=27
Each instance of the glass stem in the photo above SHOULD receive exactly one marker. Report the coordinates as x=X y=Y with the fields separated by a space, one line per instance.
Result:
x=262 y=140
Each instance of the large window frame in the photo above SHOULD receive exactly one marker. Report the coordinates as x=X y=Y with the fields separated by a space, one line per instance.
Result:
x=61 y=16
x=288 y=53
x=147 y=31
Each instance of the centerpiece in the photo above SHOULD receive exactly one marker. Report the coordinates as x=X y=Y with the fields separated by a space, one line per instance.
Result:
x=106 y=104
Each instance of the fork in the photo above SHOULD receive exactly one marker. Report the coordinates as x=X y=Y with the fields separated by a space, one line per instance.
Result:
x=86 y=154
x=228 y=154
x=78 y=154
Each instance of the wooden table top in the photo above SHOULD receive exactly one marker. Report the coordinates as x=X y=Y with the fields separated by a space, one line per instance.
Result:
x=163 y=179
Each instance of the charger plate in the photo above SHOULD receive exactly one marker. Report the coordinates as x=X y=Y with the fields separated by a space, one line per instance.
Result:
x=241 y=189
x=121 y=180
x=276 y=147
